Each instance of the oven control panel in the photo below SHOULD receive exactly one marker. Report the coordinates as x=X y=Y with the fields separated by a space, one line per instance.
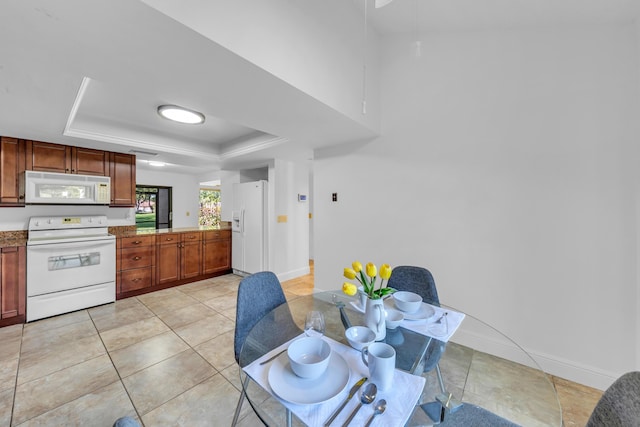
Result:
x=67 y=222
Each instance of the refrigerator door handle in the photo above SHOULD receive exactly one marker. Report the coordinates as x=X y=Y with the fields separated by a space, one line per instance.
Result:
x=242 y=221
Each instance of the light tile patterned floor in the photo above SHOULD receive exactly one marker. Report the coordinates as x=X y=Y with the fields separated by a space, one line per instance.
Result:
x=165 y=358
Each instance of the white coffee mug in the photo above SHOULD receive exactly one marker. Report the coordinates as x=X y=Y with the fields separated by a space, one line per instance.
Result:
x=380 y=358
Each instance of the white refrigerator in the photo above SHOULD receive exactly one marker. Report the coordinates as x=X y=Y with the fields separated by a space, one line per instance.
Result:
x=249 y=227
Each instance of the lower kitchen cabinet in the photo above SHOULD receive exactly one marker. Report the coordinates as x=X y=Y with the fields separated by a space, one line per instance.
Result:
x=168 y=258
x=137 y=261
x=12 y=284
x=216 y=251
x=177 y=258
x=190 y=255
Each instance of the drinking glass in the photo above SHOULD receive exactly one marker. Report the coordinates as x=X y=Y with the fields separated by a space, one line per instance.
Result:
x=314 y=324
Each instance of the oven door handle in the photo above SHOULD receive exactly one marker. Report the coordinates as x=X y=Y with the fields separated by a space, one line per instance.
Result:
x=56 y=247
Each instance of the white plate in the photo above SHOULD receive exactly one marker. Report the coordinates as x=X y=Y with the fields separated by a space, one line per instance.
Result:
x=290 y=387
x=424 y=312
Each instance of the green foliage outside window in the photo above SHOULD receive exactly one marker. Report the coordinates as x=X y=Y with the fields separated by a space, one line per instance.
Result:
x=209 y=208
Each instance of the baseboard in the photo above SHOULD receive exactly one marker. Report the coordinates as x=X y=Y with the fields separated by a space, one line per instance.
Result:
x=293 y=274
x=553 y=365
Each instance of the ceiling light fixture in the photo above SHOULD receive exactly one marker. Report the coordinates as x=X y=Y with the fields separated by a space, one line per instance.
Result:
x=159 y=164
x=180 y=114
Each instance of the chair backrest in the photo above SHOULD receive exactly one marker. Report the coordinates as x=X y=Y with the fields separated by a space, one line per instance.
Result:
x=258 y=294
x=619 y=406
x=418 y=280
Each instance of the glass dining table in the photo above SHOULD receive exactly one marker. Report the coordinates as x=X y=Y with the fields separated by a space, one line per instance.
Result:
x=474 y=368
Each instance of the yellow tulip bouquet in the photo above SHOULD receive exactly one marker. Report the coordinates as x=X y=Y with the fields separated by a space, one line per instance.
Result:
x=368 y=280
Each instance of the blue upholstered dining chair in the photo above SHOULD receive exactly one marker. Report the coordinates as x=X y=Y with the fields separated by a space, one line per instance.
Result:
x=419 y=280
x=619 y=405
x=258 y=295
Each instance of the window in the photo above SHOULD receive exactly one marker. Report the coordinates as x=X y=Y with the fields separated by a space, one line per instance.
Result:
x=209 y=207
x=153 y=207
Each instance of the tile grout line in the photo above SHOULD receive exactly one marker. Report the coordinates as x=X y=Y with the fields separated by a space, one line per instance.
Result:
x=116 y=369
x=15 y=382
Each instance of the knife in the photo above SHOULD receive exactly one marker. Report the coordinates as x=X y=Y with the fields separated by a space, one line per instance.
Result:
x=352 y=392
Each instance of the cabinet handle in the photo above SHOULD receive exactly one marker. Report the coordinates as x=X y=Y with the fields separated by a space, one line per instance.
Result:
x=137 y=242
x=192 y=237
x=136 y=258
x=137 y=279
x=168 y=239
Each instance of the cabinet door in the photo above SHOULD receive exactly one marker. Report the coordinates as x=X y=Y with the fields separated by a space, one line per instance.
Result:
x=12 y=164
x=12 y=282
x=216 y=255
x=47 y=157
x=167 y=262
x=86 y=161
x=122 y=170
x=190 y=259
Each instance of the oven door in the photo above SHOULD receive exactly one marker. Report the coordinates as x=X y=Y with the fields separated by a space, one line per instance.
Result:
x=54 y=267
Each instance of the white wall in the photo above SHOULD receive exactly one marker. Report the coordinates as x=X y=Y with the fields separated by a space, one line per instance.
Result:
x=186 y=194
x=289 y=240
x=504 y=167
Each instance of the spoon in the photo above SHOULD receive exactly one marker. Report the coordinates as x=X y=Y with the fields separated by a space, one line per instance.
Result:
x=368 y=396
x=381 y=405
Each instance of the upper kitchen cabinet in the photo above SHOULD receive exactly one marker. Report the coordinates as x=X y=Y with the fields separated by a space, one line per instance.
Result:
x=48 y=157
x=122 y=170
x=12 y=165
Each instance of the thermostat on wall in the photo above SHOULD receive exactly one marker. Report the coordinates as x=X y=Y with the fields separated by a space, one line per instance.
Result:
x=302 y=197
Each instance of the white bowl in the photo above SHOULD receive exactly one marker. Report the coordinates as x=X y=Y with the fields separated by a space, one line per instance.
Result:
x=309 y=357
x=393 y=318
x=359 y=336
x=407 y=301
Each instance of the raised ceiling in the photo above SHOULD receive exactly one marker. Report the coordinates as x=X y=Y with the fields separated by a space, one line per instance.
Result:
x=92 y=72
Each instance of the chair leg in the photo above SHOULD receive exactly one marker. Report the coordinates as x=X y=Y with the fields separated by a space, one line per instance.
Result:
x=288 y=416
x=240 y=400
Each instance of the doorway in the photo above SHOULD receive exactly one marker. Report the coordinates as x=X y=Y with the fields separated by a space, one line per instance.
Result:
x=153 y=207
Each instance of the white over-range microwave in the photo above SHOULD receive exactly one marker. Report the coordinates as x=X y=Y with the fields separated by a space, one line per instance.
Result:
x=66 y=189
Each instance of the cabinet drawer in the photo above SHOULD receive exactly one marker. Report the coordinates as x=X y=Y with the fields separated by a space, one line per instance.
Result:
x=217 y=235
x=137 y=241
x=167 y=239
x=191 y=236
x=136 y=279
x=137 y=257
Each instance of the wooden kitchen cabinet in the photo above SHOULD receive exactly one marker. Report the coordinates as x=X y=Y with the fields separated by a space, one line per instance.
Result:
x=122 y=170
x=190 y=255
x=178 y=257
x=168 y=258
x=48 y=157
x=216 y=251
x=12 y=165
x=12 y=284
x=137 y=263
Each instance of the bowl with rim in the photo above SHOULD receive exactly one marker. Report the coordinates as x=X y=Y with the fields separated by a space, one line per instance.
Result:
x=393 y=317
x=359 y=336
x=309 y=357
x=408 y=302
